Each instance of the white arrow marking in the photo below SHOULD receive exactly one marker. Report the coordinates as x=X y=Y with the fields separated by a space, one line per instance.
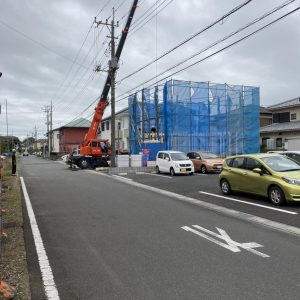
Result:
x=230 y=244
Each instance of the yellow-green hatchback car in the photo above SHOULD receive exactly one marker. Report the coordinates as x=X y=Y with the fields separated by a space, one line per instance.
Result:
x=271 y=175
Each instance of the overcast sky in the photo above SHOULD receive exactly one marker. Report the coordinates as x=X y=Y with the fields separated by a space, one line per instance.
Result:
x=42 y=58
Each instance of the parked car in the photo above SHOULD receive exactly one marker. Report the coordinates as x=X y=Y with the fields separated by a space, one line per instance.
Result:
x=271 y=175
x=205 y=162
x=173 y=162
x=25 y=153
x=295 y=155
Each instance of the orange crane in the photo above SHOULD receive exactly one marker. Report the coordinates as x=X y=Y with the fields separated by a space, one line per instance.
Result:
x=95 y=152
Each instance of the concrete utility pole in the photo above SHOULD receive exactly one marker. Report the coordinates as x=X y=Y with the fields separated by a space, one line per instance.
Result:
x=35 y=135
x=48 y=109
x=113 y=66
x=51 y=144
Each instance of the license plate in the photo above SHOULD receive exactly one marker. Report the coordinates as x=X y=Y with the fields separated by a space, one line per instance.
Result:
x=219 y=167
x=182 y=170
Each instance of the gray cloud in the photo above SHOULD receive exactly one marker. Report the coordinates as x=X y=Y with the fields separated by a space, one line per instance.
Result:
x=34 y=74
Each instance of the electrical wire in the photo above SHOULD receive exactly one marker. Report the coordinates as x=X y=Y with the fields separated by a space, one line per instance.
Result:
x=218 y=51
x=39 y=43
x=188 y=39
x=222 y=39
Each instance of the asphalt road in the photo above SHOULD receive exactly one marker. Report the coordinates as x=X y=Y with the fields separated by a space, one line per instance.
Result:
x=106 y=239
x=206 y=187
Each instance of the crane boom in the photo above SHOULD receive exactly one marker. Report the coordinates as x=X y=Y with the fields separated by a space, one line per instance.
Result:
x=99 y=110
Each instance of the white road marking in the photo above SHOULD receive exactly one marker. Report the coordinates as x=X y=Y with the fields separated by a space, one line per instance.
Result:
x=199 y=174
x=47 y=275
x=230 y=244
x=154 y=174
x=281 y=227
x=123 y=178
x=250 y=203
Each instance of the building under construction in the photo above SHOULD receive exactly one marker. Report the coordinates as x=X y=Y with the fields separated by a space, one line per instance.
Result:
x=185 y=116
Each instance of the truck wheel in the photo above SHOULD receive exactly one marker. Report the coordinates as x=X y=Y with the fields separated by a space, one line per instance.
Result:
x=83 y=163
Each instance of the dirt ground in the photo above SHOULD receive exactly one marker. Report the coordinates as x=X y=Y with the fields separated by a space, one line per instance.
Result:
x=13 y=263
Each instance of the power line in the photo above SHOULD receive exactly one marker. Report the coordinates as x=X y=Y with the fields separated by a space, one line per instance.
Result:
x=154 y=15
x=188 y=39
x=221 y=40
x=218 y=51
x=40 y=44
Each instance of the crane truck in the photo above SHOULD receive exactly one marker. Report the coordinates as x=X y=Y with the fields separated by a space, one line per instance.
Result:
x=94 y=152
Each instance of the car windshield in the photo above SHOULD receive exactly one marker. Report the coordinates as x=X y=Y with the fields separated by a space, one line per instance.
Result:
x=207 y=155
x=178 y=156
x=281 y=163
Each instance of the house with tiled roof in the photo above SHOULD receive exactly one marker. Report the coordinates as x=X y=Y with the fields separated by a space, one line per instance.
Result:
x=284 y=132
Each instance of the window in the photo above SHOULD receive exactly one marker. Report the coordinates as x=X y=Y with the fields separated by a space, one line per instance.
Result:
x=94 y=144
x=281 y=117
x=264 y=141
x=107 y=125
x=279 y=142
x=238 y=162
x=294 y=116
x=229 y=162
x=253 y=163
x=191 y=155
x=102 y=126
x=167 y=156
x=160 y=155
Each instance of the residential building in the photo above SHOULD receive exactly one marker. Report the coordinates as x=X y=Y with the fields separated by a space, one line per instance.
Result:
x=122 y=130
x=265 y=116
x=285 y=128
x=70 y=135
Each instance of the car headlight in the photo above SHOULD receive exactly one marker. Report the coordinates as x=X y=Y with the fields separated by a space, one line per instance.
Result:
x=177 y=165
x=291 y=180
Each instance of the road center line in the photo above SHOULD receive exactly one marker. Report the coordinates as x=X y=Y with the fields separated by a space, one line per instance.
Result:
x=46 y=271
x=250 y=203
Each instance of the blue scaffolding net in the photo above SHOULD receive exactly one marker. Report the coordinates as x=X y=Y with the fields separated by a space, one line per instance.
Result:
x=186 y=116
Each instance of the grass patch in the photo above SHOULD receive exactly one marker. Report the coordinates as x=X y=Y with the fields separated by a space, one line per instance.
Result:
x=13 y=264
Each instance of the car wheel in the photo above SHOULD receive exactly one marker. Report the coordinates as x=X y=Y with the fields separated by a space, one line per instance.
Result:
x=225 y=187
x=203 y=169
x=83 y=163
x=276 y=196
x=172 y=172
x=192 y=173
x=157 y=170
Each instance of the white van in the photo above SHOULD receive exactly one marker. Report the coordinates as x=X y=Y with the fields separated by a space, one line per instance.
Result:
x=173 y=162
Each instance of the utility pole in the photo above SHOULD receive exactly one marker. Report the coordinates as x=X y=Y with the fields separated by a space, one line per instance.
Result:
x=48 y=109
x=51 y=144
x=35 y=136
x=6 y=120
x=113 y=66
x=112 y=69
